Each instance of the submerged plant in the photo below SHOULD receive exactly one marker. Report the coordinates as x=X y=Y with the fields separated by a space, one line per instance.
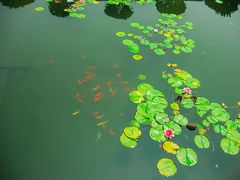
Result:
x=167 y=34
x=151 y=111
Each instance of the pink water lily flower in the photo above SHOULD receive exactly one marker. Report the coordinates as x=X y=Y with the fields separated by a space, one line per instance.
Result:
x=75 y=6
x=82 y=1
x=169 y=133
x=187 y=90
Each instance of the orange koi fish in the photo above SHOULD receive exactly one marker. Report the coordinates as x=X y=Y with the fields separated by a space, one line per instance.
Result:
x=113 y=93
x=97 y=97
x=99 y=117
x=109 y=83
x=102 y=124
x=118 y=75
x=115 y=66
x=124 y=82
x=97 y=87
x=78 y=98
x=111 y=132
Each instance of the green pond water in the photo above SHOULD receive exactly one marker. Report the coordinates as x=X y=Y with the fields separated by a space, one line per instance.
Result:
x=42 y=56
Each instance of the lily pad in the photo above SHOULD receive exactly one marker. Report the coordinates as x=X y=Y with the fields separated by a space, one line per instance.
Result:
x=137 y=57
x=159 y=52
x=180 y=119
x=201 y=142
x=170 y=147
x=144 y=87
x=187 y=156
x=229 y=146
x=157 y=135
x=127 y=142
x=187 y=103
x=120 y=34
x=132 y=132
x=142 y=77
x=136 y=96
x=39 y=9
x=166 y=167
x=220 y=129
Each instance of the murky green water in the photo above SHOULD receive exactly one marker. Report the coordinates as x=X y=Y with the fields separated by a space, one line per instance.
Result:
x=42 y=57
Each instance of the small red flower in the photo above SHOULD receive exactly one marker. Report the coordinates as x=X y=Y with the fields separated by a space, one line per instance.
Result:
x=187 y=90
x=169 y=133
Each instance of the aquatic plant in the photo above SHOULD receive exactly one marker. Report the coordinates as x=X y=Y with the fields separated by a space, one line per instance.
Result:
x=151 y=111
x=167 y=34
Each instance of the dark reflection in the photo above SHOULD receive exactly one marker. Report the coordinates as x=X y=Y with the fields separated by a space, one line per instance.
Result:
x=16 y=3
x=224 y=9
x=120 y=11
x=57 y=7
x=171 y=6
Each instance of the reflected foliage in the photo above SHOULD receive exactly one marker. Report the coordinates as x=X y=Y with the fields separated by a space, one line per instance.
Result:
x=171 y=6
x=224 y=9
x=16 y=3
x=56 y=8
x=120 y=11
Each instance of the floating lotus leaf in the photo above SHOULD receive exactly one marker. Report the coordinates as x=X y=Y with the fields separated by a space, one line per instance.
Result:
x=161 y=101
x=127 y=42
x=159 y=52
x=231 y=124
x=137 y=57
x=80 y=16
x=201 y=113
x=180 y=119
x=73 y=14
x=144 y=87
x=39 y=9
x=127 y=142
x=176 y=51
x=143 y=119
x=174 y=126
x=157 y=135
x=192 y=83
x=220 y=114
x=133 y=48
x=229 y=146
x=182 y=74
x=201 y=142
x=153 y=45
x=135 y=24
x=219 y=1
x=170 y=147
x=220 y=129
x=233 y=135
x=174 y=106
x=134 y=123
x=146 y=31
x=132 y=132
x=120 y=34
x=202 y=104
x=144 y=42
x=136 y=96
x=150 y=28
x=141 y=108
x=187 y=103
x=142 y=77
x=152 y=93
x=162 y=118
x=178 y=91
x=175 y=81
x=187 y=156
x=166 y=167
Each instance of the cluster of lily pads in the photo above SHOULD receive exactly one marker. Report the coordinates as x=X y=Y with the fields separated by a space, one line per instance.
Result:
x=151 y=108
x=167 y=34
x=129 y=2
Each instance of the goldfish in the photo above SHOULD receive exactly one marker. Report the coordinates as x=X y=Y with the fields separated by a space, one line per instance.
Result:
x=111 y=132
x=75 y=113
x=124 y=82
x=113 y=93
x=99 y=117
x=97 y=97
x=108 y=83
x=118 y=75
x=102 y=124
x=115 y=66
x=78 y=98
x=97 y=87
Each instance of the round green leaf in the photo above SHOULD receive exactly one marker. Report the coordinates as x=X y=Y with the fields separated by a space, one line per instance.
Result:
x=133 y=48
x=180 y=119
x=229 y=146
x=127 y=142
x=157 y=135
x=220 y=129
x=127 y=42
x=187 y=156
x=175 y=81
x=201 y=142
x=39 y=9
x=132 y=132
x=187 y=103
x=136 y=96
x=166 y=167
x=152 y=93
x=159 y=52
x=174 y=126
x=120 y=34
x=142 y=77
x=144 y=87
